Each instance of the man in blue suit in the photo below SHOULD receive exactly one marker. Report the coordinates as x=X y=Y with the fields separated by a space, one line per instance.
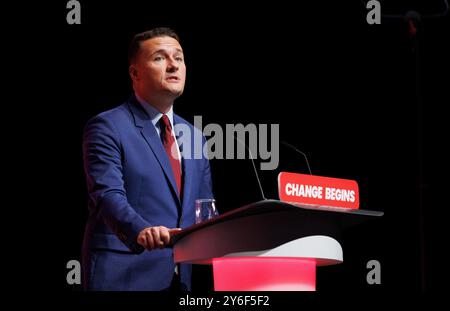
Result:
x=142 y=188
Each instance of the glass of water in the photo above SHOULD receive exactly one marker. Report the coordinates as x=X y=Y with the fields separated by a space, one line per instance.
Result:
x=205 y=209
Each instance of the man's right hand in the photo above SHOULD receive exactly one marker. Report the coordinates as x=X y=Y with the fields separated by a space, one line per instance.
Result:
x=155 y=237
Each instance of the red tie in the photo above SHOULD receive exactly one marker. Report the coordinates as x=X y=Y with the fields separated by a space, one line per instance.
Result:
x=171 y=149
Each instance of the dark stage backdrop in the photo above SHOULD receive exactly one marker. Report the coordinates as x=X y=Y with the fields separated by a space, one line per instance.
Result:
x=342 y=91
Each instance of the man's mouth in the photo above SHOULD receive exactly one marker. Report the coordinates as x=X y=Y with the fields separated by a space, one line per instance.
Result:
x=173 y=79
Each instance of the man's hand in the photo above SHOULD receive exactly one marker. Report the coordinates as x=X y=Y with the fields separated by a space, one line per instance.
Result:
x=155 y=237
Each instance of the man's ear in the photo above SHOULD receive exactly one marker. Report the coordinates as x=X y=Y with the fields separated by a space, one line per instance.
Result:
x=132 y=70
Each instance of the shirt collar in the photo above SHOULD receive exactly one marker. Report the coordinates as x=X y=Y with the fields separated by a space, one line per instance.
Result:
x=154 y=113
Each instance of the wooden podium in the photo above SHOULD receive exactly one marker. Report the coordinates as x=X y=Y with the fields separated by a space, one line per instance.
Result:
x=268 y=245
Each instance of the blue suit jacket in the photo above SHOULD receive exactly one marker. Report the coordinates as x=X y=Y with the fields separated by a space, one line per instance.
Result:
x=131 y=187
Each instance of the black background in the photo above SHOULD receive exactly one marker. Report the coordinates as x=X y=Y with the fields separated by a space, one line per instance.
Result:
x=342 y=91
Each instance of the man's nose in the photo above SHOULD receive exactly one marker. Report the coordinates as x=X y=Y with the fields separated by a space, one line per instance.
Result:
x=172 y=65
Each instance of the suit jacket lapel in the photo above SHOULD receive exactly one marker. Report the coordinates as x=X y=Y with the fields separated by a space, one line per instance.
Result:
x=149 y=133
x=188 y=166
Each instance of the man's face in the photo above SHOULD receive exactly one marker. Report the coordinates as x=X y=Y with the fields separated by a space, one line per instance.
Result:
x=159 y=68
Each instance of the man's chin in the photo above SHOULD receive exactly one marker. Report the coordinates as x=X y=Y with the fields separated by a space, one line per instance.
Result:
x=175 y=92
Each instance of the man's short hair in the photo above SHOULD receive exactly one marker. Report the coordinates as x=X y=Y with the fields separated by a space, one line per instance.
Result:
x=135 y=44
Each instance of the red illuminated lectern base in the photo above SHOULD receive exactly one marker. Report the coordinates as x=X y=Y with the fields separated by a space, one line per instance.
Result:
x=264 y=274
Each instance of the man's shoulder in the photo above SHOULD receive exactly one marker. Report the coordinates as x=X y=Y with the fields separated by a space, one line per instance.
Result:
x=117 y=115
x=180 y=120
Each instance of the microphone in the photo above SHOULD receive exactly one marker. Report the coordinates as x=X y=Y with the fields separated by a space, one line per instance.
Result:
x=254 y=166
x=298 y=151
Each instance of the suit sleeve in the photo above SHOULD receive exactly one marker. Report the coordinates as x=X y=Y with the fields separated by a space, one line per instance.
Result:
x=103 y=167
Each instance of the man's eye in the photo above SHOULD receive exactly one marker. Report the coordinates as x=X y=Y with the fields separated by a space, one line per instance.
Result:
x=179 y=59
x=158 y=58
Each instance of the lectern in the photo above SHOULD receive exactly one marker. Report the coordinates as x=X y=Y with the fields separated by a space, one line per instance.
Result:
x=268 y=245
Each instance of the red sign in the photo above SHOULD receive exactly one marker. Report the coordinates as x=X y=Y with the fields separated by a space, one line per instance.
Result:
x=318 y=190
